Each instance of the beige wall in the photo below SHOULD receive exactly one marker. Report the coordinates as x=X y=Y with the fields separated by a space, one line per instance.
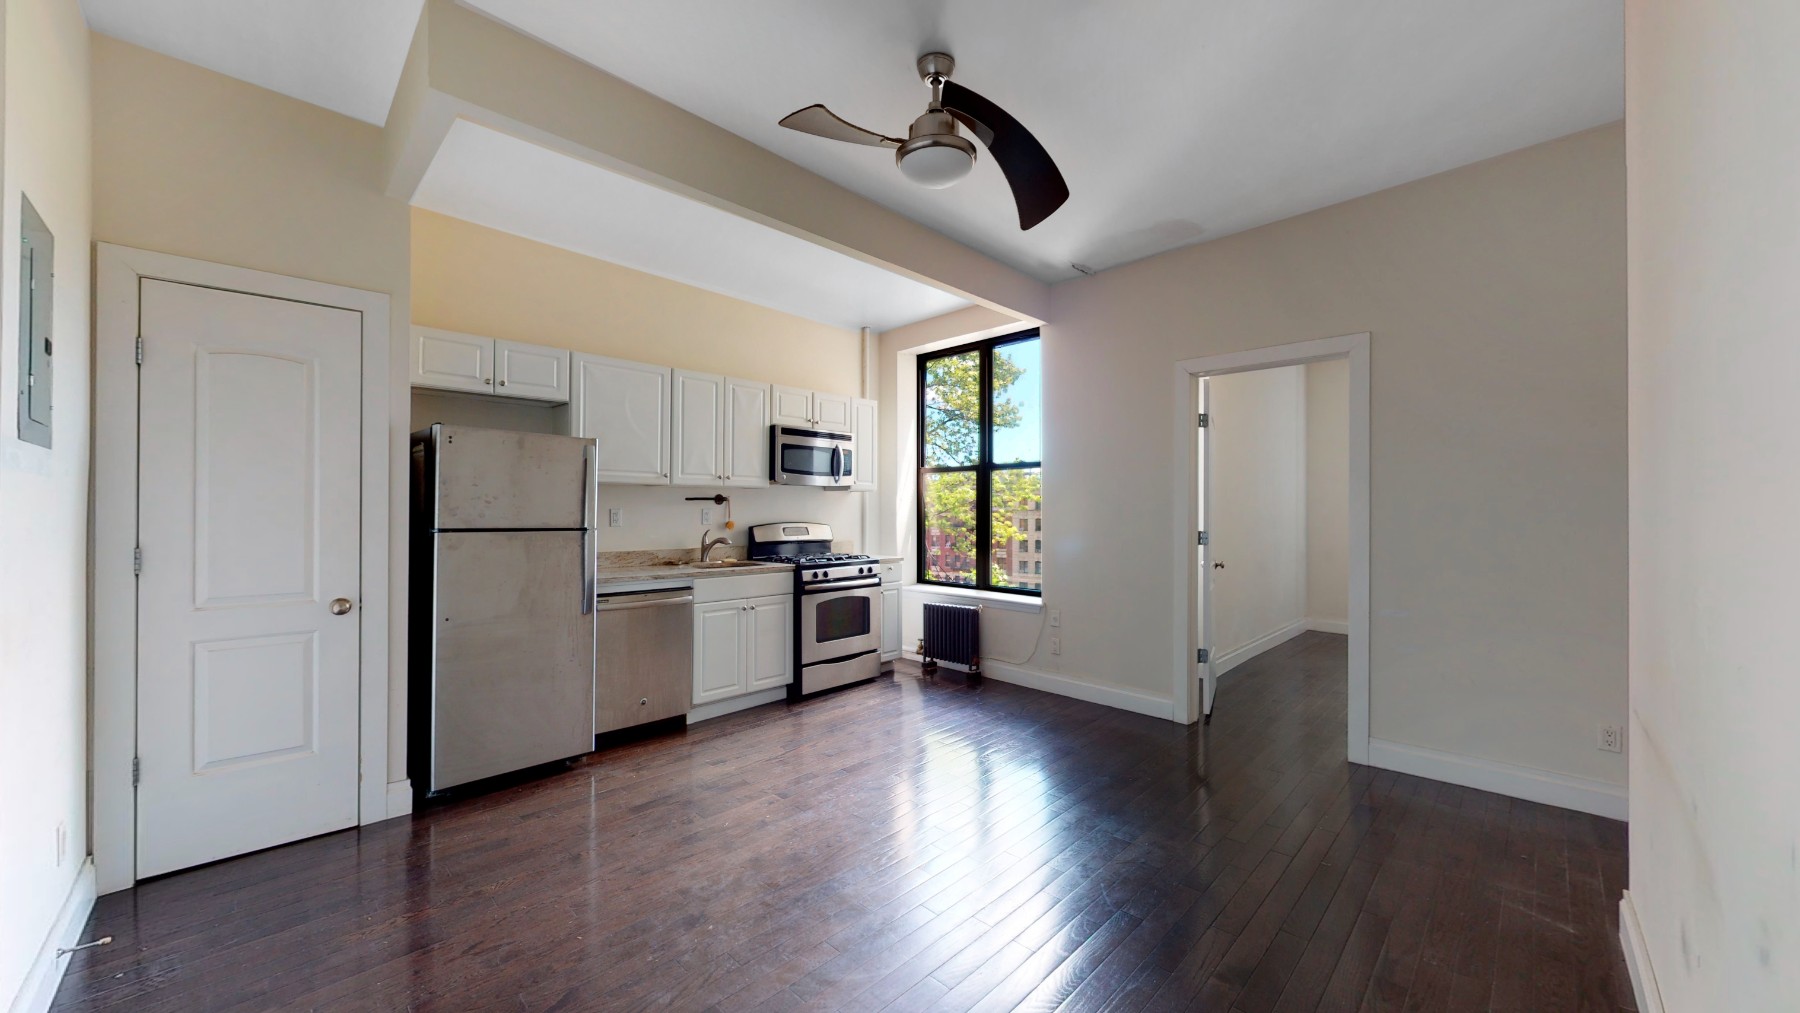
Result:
x=1328 y=491
x=196 y=164
x=474 y=279
x=1713 y=107
x=1256 y=446
x=1495 y=296
x=43 y=494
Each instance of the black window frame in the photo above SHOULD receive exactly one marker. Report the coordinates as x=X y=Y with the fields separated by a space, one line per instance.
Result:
x=983 y=469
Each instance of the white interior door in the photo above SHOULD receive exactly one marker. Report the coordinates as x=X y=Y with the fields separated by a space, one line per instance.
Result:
x=248 y=640
x=1209 y=678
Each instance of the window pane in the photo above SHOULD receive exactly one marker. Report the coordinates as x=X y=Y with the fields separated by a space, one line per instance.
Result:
x=1018 y=402
x=950 y=527
x=1018 y=504
x=953 y=410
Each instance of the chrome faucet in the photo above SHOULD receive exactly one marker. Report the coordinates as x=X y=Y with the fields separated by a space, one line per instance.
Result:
x=706 y=545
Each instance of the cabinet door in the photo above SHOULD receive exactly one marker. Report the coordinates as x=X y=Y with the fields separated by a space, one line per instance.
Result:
x=531 y=371
x=863 y=415
x=791 y=406
x=625 y=407
x=890 y=623
x=746 y=433
x=769 y=648
x=451 y=361
x=832 y=412
x=719 y=650
x=699 y=429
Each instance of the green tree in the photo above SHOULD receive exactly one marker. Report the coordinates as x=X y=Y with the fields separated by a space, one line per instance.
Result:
x=952 y=438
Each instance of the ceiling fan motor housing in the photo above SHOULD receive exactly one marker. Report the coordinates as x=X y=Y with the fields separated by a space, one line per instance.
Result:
x=934 y=155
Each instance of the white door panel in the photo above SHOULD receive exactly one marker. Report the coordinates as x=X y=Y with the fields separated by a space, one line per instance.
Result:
x=746 y=433
x=625 y=407
x=719 y=650
x=452 y=361
x=531 y=371
x=865 y=415
x=770 y=653
x=249 y=499
x=832 y=412
x=699 y=416
x=791 y=406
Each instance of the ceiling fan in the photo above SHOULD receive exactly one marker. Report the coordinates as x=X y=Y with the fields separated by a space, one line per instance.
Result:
x=935 y=155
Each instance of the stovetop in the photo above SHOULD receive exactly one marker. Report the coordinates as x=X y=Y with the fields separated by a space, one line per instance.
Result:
x=821 y=559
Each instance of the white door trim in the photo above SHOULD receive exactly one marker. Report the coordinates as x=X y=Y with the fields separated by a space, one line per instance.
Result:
x=1354 y=347
x=115 y=523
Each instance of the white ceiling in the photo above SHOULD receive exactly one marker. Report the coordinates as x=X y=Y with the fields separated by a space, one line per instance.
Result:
x=1174 y=121
x=345 y=55
x=494 y=179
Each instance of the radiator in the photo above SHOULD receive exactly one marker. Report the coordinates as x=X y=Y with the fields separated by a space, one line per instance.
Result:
x=953 y=636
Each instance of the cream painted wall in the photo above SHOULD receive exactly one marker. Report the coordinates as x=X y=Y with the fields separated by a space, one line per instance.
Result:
x=1713 y=141
x=1328 y=491
x=480 y=281
x=197 y=164
x=1256 y=440
x=1495 y=295
x=44 y=493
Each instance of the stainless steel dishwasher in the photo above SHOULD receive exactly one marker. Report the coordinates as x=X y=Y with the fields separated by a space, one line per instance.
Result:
x=644 y=656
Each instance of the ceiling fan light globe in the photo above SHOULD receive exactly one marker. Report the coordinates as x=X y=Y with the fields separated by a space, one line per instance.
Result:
x=936 y=161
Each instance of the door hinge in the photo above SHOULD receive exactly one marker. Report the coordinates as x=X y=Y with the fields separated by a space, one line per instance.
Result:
x=1204 y=419
x=137 y=559
x=137 y=770
x=140 y=350
x=1204 y=539
x=1201 y=655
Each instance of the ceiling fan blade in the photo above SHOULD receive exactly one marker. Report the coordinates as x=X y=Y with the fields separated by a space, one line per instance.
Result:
x=816 y=119
x=1037 y=184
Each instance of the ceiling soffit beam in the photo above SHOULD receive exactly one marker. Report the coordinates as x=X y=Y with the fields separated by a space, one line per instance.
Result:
x=465 y=65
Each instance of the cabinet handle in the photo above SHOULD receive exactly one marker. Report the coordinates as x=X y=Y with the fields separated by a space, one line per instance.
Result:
x=502 y=383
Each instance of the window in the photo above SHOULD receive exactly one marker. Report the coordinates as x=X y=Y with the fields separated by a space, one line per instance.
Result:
x=1024 y=566
x=980 y=461
x=1040 y=545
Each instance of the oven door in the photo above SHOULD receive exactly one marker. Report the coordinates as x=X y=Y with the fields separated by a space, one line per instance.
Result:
x=839 y=623
x=805 y=457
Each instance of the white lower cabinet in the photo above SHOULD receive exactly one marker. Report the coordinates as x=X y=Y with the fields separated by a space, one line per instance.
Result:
x=890 y=622
x=742 y=646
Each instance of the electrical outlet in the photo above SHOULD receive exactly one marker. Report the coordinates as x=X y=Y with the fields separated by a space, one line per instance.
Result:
x=1612 y=738
x=615 y=518
x=1055 y=645
x=62 y=842
x=1055 y=618
x=706 y=515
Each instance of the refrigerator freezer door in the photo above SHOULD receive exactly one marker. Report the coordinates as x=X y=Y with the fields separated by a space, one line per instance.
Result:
x=491 y=478
x=512 y=678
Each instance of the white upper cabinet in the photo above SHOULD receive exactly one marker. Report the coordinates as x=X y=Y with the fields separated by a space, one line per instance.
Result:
x=790 y=406
x=531 y=371
x=446 y=360
x=808 y=409
x=831 y=411
x=626 y=407
x=863 y=416
x=746 y=433
x=451 y=361
x=699 y=430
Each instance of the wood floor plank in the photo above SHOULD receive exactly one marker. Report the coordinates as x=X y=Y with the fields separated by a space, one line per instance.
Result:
x=914 y=844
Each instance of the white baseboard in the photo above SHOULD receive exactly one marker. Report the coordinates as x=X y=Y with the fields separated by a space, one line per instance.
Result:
x=1275 y=638
x=1564 y=790
x=1338 y=626
x=399 y=798
x=46 y=972
x=1637 y=958
x=1079 y=689
x=720 y=708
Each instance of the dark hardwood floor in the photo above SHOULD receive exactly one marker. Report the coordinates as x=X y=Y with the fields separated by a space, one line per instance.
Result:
x=916 y=845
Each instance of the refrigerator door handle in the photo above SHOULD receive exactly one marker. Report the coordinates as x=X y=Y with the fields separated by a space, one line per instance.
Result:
x=589 y=576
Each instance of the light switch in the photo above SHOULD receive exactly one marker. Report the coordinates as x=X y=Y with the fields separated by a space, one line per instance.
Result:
x=615 y=518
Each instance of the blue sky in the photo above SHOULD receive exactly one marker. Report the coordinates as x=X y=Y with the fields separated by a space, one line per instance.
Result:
x=1023 y=442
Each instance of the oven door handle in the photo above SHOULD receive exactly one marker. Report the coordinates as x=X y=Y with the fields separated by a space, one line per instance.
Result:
x=854 y=585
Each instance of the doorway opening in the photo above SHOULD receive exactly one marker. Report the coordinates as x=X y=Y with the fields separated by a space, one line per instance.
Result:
x=1274 y=504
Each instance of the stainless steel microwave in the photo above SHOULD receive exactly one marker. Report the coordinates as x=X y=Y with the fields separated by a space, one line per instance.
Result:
x=811 y=457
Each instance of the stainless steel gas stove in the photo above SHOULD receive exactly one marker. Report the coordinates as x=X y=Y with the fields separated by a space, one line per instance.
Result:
x=837 y=606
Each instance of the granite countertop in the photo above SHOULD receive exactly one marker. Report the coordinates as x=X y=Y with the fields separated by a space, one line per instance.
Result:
x=673 y=564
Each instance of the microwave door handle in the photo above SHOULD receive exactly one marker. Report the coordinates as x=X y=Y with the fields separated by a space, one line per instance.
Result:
x=837 y=459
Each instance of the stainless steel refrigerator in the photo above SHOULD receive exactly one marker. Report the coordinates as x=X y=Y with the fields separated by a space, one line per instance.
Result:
x=502 y=616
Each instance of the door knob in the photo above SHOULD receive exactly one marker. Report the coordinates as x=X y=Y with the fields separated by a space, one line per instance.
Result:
x=340 y=606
